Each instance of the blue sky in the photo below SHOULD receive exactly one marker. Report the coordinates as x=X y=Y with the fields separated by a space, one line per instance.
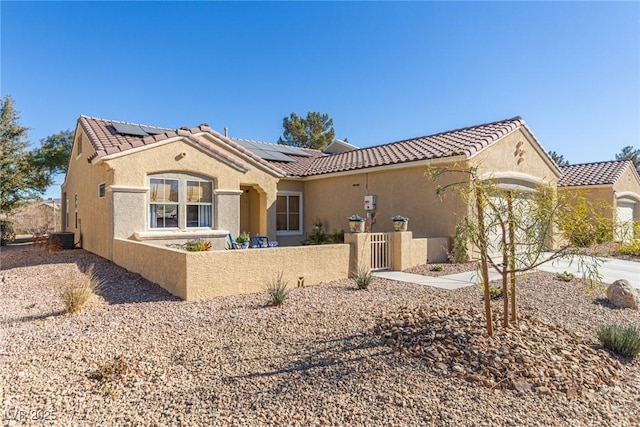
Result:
x=383 y=71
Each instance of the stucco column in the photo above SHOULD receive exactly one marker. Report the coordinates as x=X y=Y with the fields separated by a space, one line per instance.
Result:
x=360 y=251
x=401 y=250
x=227 y=207
x=128 y=212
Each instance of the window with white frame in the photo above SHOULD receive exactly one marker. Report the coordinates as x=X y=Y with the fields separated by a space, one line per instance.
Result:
x=180 y=202
x=289 y=213
x=199 y=197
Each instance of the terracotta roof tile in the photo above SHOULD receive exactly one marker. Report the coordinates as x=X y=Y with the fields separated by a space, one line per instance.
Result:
x=106 y=140
x=466 y=141
x=599 y=173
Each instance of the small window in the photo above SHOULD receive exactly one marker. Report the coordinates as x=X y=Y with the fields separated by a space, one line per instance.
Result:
x=101 y=191
x=289 y=213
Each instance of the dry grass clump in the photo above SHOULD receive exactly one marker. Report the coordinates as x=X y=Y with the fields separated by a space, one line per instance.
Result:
x=76 y=295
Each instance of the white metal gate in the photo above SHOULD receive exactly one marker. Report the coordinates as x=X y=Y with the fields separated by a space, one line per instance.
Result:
x=380 y=254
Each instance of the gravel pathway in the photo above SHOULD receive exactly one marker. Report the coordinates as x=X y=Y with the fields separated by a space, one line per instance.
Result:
x=321 y=359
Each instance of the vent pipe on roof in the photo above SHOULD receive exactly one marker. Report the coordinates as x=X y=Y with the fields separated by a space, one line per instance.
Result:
x=226 y=131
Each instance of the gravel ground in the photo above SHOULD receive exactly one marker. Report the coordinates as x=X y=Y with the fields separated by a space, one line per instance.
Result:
x=324 y=358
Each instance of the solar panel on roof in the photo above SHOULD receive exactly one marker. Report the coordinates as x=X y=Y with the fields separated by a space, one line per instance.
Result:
x=127 y=129
x=287 y=149
x=153 y=131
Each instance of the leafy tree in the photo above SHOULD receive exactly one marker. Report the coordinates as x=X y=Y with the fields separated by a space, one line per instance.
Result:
x=54 y=152
x=315 y=131
x=513 y=230
x=21 y=179
x=558 y=158
x=629 y=153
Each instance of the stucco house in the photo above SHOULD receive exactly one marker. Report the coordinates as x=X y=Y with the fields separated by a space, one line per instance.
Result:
x=615 y=185
x=163 y=185
x=132 y=189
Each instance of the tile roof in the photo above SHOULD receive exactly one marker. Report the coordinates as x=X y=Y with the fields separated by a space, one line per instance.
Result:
x=106 y=140
x=465 y=141
x=599 y=173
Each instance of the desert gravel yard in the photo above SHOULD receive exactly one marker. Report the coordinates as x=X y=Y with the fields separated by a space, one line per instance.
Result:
x=332 y=355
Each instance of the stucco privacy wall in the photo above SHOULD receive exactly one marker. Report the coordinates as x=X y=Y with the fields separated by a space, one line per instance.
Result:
x=133 y=169
x=94 y=212
x=202 y=275
x=399 y=191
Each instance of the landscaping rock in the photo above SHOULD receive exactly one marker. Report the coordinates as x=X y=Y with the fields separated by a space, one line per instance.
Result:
x=621 y=294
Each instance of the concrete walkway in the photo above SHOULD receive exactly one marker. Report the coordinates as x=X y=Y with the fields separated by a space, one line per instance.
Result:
x=610 y=269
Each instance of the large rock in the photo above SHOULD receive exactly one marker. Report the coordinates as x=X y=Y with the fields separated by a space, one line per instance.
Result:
x=621 y=294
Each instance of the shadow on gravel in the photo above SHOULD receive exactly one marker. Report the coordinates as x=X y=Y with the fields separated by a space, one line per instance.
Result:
x=33 y=317
x=120 y=286
x=344 y=355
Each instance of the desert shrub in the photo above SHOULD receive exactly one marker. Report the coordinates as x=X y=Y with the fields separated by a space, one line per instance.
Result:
x=363 y=277
x=277 y=290
x=113 y=370
x=565 y=276
x=437 y=268
x=7 y=233
x=582 y=222
x=76 y=294
x=495 y=293
x=630 y=248
x=624 y=340
x=318 y=237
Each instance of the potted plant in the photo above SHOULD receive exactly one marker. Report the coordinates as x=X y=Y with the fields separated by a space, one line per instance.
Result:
x=243 y=240
x=400 y=222
x=356 y=224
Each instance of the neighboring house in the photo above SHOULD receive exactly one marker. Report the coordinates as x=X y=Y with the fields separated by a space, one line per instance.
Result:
x=614 y=184
x=36 y=217
x=165 y=185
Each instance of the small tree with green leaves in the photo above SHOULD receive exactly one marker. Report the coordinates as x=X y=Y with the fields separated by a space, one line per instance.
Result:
x=511 y=229
x=632 y=154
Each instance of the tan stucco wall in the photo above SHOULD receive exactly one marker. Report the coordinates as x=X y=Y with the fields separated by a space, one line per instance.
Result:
x=628 y=183
x=165 y=266
x=134 y=169
x=94 y=220
x=203 y=275
x=403 y=191
x=516 y=154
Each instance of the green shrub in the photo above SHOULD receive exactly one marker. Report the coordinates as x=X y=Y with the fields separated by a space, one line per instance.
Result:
x=630 y=248
x=278 y=291
x=363 y=277
x=7 y=233
x=76 y=295
x=495 y=293
x=318 y=237
x=565 y=276
x=437 y=268
x=338 y=237
x=624 y=340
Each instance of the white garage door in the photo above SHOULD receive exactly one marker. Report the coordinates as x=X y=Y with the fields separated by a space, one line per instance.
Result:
x=624 y=218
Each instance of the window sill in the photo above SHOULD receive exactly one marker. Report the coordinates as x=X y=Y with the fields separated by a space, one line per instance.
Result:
x=178 y=234
x=289 y=233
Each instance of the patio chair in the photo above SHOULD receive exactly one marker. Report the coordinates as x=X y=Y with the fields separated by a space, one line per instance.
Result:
x=262 y=242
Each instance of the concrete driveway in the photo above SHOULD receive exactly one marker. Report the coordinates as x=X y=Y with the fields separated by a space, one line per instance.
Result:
x=610 y=269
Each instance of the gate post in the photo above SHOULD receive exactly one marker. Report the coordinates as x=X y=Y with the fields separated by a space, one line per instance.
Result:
x=359 y=251
x=401 y=250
